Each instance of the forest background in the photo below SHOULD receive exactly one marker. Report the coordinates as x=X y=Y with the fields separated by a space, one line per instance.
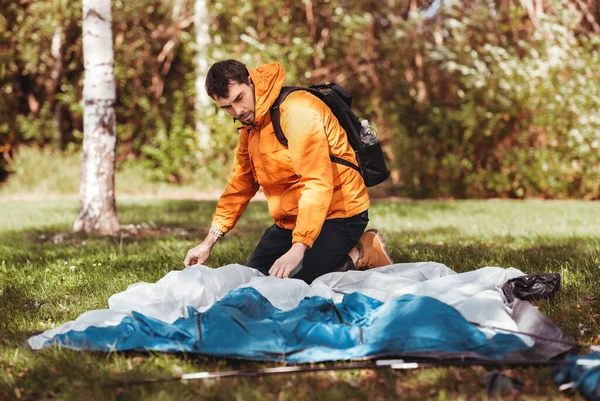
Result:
x=472 y=99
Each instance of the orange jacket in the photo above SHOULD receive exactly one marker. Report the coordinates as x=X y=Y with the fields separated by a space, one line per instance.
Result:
x=302 y=186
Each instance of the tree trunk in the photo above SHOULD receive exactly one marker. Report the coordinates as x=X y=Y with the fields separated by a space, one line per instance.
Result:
x=98 y=212
x=202 y=99
x=57 y=72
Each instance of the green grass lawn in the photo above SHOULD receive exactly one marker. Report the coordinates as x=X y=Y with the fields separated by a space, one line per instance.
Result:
x=49 y=276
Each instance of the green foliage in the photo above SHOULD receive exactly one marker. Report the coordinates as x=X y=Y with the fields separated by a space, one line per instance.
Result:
x=479 y=102
x=153 y=70
x=171 y=149
x=41 y=127
x=32 y=75
x=505 y=116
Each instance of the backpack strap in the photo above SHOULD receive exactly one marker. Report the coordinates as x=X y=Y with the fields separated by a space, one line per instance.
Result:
x=276 y=113
x=344 y=162
x=276 y=120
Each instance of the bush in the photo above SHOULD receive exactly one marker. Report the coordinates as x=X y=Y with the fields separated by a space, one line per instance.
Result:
x=489 y=113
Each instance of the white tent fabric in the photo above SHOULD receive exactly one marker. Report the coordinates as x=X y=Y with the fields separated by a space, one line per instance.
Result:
x=477 y=295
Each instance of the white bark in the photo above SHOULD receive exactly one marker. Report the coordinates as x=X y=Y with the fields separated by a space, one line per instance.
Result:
x=56 y=50
x=177 y=8
x=203 y=101
x=98 y=211
x=56 y=43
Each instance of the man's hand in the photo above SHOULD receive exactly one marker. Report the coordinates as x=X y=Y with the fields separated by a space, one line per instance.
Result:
x=286 y=264
x=199 y=254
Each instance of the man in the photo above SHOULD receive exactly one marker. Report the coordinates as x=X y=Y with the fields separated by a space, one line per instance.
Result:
x=320 y=208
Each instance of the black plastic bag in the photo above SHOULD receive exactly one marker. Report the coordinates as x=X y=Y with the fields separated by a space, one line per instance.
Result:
x=532 y=287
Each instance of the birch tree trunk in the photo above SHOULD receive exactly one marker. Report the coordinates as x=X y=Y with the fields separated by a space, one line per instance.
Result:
x=56 y=106
x=98 y=212
x=202 y=100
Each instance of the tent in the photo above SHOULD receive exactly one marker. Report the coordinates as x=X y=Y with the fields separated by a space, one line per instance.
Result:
x=417 y=310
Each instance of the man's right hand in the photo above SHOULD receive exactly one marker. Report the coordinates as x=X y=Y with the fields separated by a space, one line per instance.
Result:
x=199 y=254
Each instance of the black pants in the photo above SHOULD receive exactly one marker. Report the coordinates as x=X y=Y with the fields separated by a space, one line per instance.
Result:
x=328 y=253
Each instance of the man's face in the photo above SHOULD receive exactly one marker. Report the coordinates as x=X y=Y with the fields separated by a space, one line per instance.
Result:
x=240 y=102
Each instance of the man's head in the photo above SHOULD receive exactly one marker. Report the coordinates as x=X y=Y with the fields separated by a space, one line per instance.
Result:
x=228 y=83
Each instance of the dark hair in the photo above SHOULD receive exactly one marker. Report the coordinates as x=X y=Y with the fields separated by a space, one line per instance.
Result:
x=221 y=74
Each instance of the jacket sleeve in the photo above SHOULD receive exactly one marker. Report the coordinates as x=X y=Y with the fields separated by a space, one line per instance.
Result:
x=240 y=189
x=309 y=152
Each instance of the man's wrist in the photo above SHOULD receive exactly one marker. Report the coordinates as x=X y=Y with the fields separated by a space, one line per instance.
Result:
x=212 y=237
x=299 y=247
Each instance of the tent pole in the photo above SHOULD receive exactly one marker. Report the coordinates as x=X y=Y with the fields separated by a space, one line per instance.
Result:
x=381 y=364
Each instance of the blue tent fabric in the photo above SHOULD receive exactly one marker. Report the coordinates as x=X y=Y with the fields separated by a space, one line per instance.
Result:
x=586 y=379
x=245 y=325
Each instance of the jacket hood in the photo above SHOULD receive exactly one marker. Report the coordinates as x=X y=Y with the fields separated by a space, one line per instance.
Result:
x=268 y=81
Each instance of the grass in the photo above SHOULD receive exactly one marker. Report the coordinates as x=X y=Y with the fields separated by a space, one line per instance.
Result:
x=52 y=173
x=49 y=276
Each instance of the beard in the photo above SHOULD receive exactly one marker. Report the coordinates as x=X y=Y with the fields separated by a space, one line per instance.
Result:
x=248 y=118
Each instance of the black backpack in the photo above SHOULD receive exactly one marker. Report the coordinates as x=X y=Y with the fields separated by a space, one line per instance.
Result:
x=371 y=164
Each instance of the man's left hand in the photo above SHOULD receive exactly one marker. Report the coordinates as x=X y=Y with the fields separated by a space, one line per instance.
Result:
x=286 y=264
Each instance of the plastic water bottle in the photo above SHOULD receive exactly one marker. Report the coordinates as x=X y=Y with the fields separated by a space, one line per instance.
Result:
x=368 y=134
